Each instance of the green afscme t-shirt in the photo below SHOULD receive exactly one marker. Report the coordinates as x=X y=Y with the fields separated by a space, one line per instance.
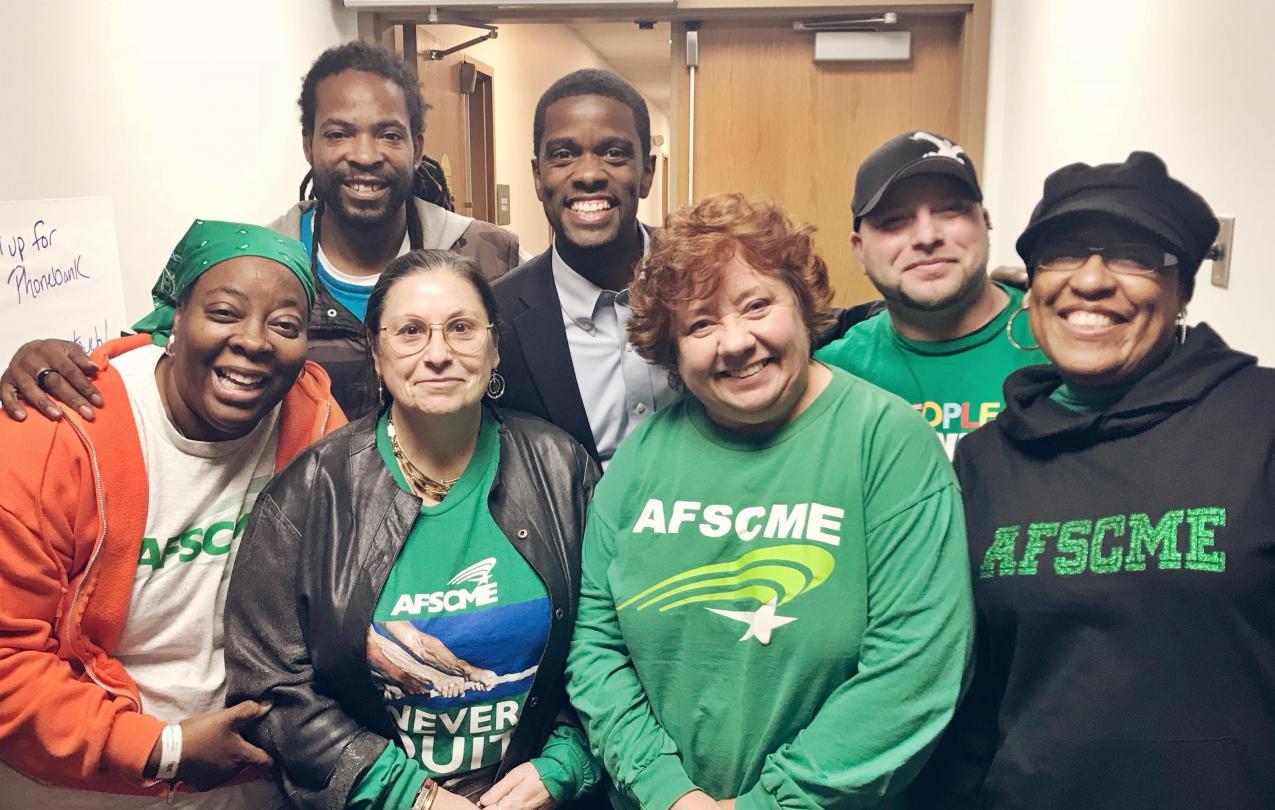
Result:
x=955 y=385
x=456 y=635
x=784 y=618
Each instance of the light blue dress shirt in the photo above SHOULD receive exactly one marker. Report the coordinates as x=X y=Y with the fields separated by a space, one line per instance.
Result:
x=618 y=387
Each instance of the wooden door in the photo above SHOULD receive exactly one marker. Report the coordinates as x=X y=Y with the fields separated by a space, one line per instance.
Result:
x=445 y=121
x=770 y=121
x=482 y=152
x=458 y=124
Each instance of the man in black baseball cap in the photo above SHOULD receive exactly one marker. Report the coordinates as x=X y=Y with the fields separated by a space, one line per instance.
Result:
x=921 y=234
x=909 y=155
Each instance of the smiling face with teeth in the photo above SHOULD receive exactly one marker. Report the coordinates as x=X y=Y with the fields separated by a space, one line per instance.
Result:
x=238 y=344
x=362 y=149
x=590 y=173
x=1103 y=328
x=744 y=351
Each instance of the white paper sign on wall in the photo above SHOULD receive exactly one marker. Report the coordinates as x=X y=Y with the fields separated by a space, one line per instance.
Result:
x=61 y=271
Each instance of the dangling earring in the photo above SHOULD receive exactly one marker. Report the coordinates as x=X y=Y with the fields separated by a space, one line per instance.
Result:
x=1009 y=331
x=496 y=387
x=1182 y=326
x=168 y=347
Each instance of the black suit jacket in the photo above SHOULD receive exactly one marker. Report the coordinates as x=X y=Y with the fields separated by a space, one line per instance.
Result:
x=534 y=358
x=536 y=362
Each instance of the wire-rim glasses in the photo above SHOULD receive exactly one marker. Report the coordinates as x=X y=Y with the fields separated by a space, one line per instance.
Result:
x=463 y=335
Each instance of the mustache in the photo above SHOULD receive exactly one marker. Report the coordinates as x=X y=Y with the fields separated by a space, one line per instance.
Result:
x=338 y=177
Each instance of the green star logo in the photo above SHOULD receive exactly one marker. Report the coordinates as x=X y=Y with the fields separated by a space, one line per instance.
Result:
x=770 y=577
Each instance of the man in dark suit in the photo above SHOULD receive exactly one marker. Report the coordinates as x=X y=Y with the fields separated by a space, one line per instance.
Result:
x=563 y=348
x=564 y=354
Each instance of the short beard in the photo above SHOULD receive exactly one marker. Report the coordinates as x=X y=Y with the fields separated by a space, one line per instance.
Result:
x=964 y=296
x=327 y=189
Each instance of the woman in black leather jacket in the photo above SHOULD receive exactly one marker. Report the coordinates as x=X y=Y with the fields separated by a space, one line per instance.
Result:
x=405 y=592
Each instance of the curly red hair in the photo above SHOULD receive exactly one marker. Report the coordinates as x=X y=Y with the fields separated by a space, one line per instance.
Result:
x=696 y=242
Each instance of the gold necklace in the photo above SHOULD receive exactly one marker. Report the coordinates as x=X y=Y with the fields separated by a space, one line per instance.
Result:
x=422 y=483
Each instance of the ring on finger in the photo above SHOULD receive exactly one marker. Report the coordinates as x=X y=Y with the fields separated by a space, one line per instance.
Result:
x=42 y=375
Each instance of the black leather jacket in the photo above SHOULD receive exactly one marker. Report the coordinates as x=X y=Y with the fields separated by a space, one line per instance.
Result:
x=317 y=551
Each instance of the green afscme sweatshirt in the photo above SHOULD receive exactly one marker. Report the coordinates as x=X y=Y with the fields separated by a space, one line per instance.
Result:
x=786 y=619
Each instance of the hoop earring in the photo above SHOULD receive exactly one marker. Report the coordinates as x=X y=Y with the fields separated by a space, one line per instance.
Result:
x=1009 y=332
x=496 y=387
x=1182 y=326
x=168 y=347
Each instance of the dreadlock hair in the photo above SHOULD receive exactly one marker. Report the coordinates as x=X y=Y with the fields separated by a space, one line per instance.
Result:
x=593 y=82
x=430 y=184
x=369 y=59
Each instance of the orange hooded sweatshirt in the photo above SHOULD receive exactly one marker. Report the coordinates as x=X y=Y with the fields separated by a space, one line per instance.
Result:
x=73 y=499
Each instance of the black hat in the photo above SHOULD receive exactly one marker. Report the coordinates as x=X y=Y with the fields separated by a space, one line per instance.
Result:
x=908 y=155
x=1139 y=192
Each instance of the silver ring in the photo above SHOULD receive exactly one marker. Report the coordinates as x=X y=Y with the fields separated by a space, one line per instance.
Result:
x=42 y=374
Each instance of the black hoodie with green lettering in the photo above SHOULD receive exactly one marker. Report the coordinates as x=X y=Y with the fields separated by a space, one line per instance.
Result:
x=1124 y=575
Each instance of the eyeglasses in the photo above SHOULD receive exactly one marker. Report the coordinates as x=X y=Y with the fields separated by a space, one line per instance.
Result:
x=462 y=335
x=1134 y=258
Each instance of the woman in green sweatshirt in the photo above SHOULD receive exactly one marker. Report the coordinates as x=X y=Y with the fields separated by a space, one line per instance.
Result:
x=774 y=607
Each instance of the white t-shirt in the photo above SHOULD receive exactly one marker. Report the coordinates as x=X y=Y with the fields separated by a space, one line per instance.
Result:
x=199 y=497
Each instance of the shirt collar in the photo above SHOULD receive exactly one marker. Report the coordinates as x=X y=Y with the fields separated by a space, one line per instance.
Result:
x=578 y=295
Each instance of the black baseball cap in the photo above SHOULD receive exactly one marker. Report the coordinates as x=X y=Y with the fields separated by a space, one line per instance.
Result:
x=907 y=155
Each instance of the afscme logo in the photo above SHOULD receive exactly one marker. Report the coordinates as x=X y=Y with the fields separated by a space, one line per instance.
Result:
x=214 y=540
x=483 y=593
x=479 y=572
x=768 y=577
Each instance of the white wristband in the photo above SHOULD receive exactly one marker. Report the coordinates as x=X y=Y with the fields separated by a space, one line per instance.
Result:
x=170 y=752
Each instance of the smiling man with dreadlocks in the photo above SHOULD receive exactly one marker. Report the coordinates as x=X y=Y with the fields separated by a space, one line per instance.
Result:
x=362 y=128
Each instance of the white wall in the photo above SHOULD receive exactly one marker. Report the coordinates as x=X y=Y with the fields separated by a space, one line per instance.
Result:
x=175 y=109
x=525 y=60
x=1092 y=80
x=178 y=109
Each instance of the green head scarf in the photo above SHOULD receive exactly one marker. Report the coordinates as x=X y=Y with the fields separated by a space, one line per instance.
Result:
x=206 y=244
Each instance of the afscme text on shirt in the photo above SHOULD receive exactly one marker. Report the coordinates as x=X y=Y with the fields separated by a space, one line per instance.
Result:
x=815 y=522
x=1110 y=544
x=212 y=541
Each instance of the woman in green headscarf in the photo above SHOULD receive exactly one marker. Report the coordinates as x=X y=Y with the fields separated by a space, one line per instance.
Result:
x=119 y=534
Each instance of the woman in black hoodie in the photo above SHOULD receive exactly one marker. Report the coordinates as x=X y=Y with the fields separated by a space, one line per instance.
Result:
x=1121 y=517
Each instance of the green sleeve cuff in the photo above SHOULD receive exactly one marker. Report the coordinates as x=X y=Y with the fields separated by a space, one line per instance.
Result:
x=566 y=768
x=391 y=781
x=660 y=783
x=756 y=798
x=555 y=778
